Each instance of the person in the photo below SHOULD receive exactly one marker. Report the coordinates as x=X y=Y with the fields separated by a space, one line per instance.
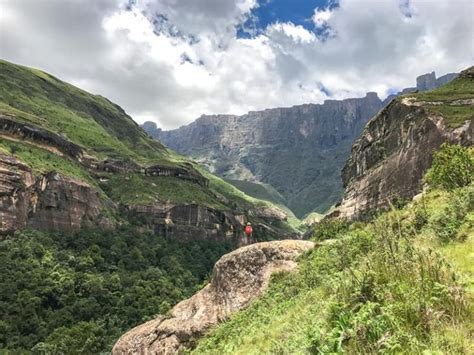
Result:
x=248 y=231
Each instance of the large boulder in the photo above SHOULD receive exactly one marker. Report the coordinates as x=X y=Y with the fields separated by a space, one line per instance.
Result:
x=238 y=278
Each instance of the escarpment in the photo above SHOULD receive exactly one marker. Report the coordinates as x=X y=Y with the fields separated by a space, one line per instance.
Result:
x=72 y=160
x=388 y=161
x=299 y=150
x=237 y=278
x=46 y=202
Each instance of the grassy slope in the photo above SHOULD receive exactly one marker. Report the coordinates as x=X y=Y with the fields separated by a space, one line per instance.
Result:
x=104 y=130
x=390 y=285
x=456 y=114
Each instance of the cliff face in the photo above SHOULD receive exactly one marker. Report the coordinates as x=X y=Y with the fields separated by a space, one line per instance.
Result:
x=47 y=202
x=395 y=149
x=71 y=160
x=237 y=279
x=298 y=150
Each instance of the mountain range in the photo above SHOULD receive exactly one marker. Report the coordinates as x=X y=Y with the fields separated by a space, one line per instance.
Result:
x=297 y=152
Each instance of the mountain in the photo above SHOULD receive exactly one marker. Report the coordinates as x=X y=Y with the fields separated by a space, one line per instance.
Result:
x=389 y=160
x=298 y=151
x=71 y=160
x=400 y=281
x=101 y=226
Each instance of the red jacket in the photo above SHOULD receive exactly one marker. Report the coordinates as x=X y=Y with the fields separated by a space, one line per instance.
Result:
x=248 y=230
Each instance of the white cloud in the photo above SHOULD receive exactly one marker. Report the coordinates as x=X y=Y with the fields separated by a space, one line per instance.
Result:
x=173 y=60
x=321 y=17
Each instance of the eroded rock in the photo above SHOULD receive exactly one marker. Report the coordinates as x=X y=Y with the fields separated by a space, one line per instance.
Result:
x=394 y=152
x=238 y=278
x=48 y=202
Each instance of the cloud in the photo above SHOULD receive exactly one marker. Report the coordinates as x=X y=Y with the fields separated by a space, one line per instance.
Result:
x=172 y=60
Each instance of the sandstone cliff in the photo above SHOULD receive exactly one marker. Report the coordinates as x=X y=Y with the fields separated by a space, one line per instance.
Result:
x=237 y=279
x=298 y=150
x=394 y=152
x=48 y=202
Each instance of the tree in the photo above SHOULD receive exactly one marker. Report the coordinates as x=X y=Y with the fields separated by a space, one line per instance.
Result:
x=453 y=167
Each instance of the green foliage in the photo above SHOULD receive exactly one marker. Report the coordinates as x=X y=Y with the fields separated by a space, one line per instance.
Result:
x=387 y=286
x=77 y=293
x=453 y=167
x=91 y=121
x=329 y=229
x=43 y=161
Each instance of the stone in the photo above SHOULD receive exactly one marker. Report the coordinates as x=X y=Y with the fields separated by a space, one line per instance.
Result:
x=393 y=154
x=48 y=202
x=237 y=279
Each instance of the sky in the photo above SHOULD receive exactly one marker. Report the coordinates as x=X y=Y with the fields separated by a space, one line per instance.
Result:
x=170 y=61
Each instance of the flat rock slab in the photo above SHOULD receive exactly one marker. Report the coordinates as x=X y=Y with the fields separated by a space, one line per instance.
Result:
x=238 y=278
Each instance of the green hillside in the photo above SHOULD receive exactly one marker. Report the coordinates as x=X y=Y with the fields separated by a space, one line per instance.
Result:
x=403 y=283
x=104 y=131
x=453 y=100
x=76 y=292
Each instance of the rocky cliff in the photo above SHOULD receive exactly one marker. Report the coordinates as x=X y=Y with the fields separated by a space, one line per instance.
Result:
x=237 y=279
x=71 y=160
x=298 y=150
x=389 y=160
x=51 y=201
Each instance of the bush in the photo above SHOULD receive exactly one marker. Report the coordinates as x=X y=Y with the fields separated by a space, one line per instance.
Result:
x=329 y=229
x=453 y=167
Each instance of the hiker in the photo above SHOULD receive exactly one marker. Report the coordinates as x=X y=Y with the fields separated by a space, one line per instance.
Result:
x=248 y=231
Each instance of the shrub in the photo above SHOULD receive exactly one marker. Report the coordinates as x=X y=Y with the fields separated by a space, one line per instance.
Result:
x=329 y=229
x=453 y=167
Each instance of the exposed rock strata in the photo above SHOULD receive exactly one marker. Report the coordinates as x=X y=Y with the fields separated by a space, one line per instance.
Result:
x=48 y=202
x=238 y=278
x=299 y=151
x=34 y=133
x=391 y=157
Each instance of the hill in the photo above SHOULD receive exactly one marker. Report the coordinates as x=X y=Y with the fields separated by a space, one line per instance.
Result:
x=97 y=152
x=101 y=226
x=389 y=159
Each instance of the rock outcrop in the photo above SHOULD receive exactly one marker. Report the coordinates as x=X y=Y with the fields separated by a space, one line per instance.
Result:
x=238 y=278
x=298 y=150
x=47 y=202
x=24 y=131
x=395 y=150
x=424 y=82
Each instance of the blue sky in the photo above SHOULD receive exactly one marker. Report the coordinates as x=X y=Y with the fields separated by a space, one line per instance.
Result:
x=298 y=12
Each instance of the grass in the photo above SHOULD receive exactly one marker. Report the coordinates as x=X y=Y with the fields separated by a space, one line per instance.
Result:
x=131 y=189
x=392 y=285
x=89 y=120
x=459 y=89
x=259 y=191
x=42 y=161
x=104 y=130
x=456 y=114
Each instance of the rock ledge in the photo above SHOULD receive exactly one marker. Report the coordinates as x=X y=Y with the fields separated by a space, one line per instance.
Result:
x=238 y=278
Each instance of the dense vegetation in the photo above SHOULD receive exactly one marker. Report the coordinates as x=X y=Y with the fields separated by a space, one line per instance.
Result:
x=77 y=293
x=401 y=283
